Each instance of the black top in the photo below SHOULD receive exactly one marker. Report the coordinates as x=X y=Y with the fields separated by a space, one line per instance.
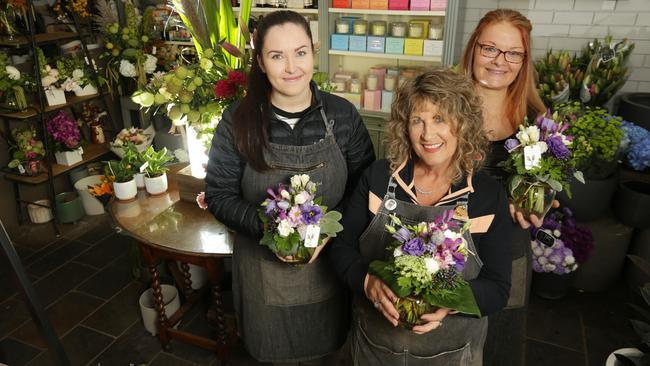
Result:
x=492 y=286
x=496 y=154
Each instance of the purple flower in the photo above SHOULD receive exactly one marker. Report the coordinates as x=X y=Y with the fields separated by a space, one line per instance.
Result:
x=414 y=247
x=270 y=206
x=547 y=125
x=311 y=214
x=402 y=235
x=557 y=147
x=511 y=144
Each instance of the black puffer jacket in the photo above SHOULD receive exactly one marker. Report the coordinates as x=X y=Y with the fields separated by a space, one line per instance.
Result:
x=226 y=165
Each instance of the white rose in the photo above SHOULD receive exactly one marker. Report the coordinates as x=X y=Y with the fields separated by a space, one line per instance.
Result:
x=54 y=73
x=295 y=182
x=543 y=147
x=304 y=179
x=300 y=198
x=69 y=85
x=533 y=133
x=284 y=229
x=77 y=74
x=48 y=80
x=150 y=64
x=432 y=265
x=522 y=136
x=285 y=194
x=548 y=251
x=397 y=252
x=127 y=69
x=311 y=187
x=12 y=72
x=452 y=234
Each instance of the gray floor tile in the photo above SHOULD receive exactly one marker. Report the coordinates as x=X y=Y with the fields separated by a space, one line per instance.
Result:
x=105 y=251
x=81 y=346
x=543 y=354
x=13 y=312
x=108 y=281
x=165 y=359
x=135 y=347
x=15 y=353
x=555 y=321
x=62 y=252
x=119 y=313
x=62 y=280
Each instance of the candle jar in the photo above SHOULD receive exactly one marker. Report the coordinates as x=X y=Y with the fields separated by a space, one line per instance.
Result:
x=398 y=29
x=339 y=85
x=416 y=30
x=389 y=82
x=342 y=26
x=355 y=86
x=378 y=28
x=360 y=27
x=371 y=82
x=435 y=29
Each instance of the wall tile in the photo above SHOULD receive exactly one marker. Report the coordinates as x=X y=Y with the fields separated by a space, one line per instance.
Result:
x=555 y=4
x=517 y=4
x=631 y=5
x=644 y=87
x=550 y=30
x=588 y=31
x=633 y=32
x=569 y=44
x=573 y=17
x=588 y=5
x=483 y=4
x=612 y=18
x=472 y=14
x=636 y=60
x=640 y=74
x=540 y=42
x=643 y=19
x=647 y=59
x=540 y=17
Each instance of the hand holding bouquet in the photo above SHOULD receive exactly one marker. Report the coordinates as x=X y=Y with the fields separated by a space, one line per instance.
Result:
x=296 y=224
x=426 y=265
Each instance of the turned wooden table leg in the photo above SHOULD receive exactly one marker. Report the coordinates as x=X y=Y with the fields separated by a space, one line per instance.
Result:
x=214 y=267
x=187 y=278
x=163 y=324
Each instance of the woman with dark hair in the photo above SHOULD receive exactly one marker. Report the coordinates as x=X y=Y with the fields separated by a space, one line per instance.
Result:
x=498 y=60
x=436 y=144
x=284 y=126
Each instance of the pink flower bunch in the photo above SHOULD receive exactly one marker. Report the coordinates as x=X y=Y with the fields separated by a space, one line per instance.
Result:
x=64 y=131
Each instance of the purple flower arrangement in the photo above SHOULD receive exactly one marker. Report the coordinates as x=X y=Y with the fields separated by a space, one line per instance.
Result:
x=426 y=262
x=637 y=141
x=295 y=222
x=64 y=131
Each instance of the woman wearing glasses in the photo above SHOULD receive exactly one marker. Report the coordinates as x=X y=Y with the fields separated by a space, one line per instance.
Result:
x=498 y=59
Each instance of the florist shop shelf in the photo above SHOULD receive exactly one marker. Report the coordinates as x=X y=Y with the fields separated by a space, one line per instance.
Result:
x=33 y=111
x=386 y=56
x=91 y=152
x=40 y=38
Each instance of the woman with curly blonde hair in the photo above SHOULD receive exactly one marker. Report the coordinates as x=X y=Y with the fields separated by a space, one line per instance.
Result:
x=436 y=144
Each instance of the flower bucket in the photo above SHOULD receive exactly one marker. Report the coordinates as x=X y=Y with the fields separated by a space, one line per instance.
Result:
x=549 y=285
x=78 y=173
x=410 y=310
x=69 y=157
x=89 y=89
x=91 y=205
x=632 y=203
x=591 y=200
x=68 y=207
x=125 y=191
x=148 y=307
x=532 y=198
x=55 y=97
x=39 y=214
x=156 y=185
x=563 y=96
x=198 y=275
x=139 y=180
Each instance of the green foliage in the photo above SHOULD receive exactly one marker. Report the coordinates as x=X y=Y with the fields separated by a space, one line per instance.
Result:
x=133 y=157
x=119 y=170
x=555 y=75
x=155 y=161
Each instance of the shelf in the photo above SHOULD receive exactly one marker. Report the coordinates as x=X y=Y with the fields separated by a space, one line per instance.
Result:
x=270 y=10
x=374 y=114
x=40 y=38
x=91 y=152
x=417 y=13
x=33 y=111
x=386 y=55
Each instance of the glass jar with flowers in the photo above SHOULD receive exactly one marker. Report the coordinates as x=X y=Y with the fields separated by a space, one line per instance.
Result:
x=66 y=138
x=13 y=85
x=27 y=151
x=540 y=164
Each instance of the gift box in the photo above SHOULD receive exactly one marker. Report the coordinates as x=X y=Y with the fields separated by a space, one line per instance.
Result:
x=372 y=100
x=376 y=44
x=379 y=4
x=358 y=43
x=420 y=5
x=398 y=4
x=55 y=96
x=432 y=48
x=380 y=71
x=413 y=46
x=360 y=4
x=394 y=45
x=340 y=3
x=438 y=4
x=386 y=100
x=340 y=42
x=354 y=98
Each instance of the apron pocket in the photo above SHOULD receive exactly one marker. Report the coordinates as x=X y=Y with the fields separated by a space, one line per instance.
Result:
x=287 y=285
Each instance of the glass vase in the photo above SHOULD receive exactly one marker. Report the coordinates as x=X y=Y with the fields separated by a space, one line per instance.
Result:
x=532 y=197
x=410 y=309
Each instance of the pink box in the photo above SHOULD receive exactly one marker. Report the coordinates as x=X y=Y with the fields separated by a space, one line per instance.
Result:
x=380 y=71
x=372 y=100
x=438 y=4
x=398 y=4
x=420 y=5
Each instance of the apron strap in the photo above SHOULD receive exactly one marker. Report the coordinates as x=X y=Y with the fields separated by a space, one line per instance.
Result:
x=390 y=189
x=329 y=124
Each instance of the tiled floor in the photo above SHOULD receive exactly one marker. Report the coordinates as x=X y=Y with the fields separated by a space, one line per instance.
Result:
x=84 y=279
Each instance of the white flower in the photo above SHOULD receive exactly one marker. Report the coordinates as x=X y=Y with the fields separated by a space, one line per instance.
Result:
x=150 y=64
x=452 y=234
x=543 y=147
x=397 y=252
x=304 y=179
x=127 y=69
x=549 y=267
x=295 y=182
x=432 y=265
x=77 y=74
x=542 y=260
x=12 y=72
x=533 y=133
x=522 y=136
x=53 y=73
x=302 y=198
x=69 y=85
x=284 y=229
x=285 y=194
x=118 y=142
x=311 y=187
x=548 y=251
x=48 y=80
x=557 y=233
x=569 y=259
x=538 y=251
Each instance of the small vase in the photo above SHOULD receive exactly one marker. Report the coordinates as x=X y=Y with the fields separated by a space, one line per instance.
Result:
x=552 y=286
x=125 y=191
x=69 y=157
x=532 y=197
x=156 y=185
x=410 y=310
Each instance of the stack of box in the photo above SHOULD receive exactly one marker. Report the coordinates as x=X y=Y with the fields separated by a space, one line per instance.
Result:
x=416 y=5
x=418 y=31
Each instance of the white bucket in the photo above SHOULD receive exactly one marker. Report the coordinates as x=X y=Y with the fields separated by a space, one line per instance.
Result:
x=198 y=275
x=148 y=307
x=39 y=214
x=92 y=206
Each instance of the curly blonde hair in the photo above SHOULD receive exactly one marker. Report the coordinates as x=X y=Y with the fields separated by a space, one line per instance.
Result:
x=456 y=98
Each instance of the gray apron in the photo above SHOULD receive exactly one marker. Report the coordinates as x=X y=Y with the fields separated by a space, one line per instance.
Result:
x=376 y=342
x=290 y=313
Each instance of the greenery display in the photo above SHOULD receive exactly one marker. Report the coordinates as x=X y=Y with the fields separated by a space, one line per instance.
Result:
x=155 y=161
x=120 y=171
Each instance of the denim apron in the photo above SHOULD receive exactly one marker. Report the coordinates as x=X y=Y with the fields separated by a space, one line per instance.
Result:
x=376 y=342
x=290 y=313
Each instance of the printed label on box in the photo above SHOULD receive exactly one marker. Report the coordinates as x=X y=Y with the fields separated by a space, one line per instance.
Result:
x=340 y=42
x=358 y=43
x=376 y=44
x=413 y=46
x=395 y=45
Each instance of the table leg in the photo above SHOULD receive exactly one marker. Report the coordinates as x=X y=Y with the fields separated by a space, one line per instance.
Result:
x=215 y=269
x=163 y=324
x=187 y=278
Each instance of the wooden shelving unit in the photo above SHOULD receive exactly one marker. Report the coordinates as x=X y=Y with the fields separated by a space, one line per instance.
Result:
x=39 y=38
x=33 y=111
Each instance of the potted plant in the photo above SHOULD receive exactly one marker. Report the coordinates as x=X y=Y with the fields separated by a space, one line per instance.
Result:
x=632 y=198
x=136 y=159
x=76 y=75
x=121 y=173
x=66 y=137
x=13 y=85
x=50 y=81
x=27 y=151
x=155 y=179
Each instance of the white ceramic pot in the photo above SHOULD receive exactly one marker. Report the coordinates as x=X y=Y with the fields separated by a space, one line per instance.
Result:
x=40 y=214
x=631 y=353
x=198 y=275
x=92 y=206
x=156 y=185
x=148 y=307
x=55 y=97
x=89 y=89
x=139 y=180
x=125 y=191
x=69 y=157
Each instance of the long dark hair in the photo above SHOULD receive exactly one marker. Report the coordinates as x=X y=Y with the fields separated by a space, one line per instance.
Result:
x=251 y=118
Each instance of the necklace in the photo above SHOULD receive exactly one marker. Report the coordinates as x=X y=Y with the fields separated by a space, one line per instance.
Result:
x=421 y=191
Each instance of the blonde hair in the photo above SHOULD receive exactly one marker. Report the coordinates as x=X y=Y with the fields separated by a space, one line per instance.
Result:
x=457 y=101
x=522 y=93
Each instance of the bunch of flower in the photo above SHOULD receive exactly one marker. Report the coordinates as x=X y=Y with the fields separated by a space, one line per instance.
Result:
x=16 y=9
x=230 y=88
x=131 y=135
x=563 y=226
x=50 y=77
x=27 y=151
x=103 y=191
x=14 y=83
x=295 y=222
x=64 y=131
x=636 y=146
x=557 y=258
x=427 y=261
x=74 y=71
x=78 y=7
x=555 y=77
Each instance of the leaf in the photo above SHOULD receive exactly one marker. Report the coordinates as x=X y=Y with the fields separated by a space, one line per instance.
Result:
x=579 y=177
x=515 y=181
x=557 y=186
x=461 y=299
x=382 y=270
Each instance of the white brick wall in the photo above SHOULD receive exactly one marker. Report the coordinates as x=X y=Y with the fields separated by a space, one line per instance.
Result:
x=570 y=24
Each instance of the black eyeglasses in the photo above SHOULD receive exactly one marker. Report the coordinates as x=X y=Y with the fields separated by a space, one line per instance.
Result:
x=490 y=51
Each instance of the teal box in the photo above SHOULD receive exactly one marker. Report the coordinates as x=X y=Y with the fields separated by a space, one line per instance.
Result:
x=376 y=44
x=340 y=42
x=358 y=43
x=395 y=45
x=386 y=100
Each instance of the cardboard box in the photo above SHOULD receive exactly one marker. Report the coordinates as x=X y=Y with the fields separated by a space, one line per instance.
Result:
x=360 y=4
x=357 y=43
x=340 y=42
x=420 y=5
x=386 y=100
x=413 y=46
x=438 y=4
x=394 y=45
x=340 y=3
x=398 y=4
x=355 y=99
x=432 y=48
x=380 y=71
x=372 y=100
x=376 y=44
x=379 y=4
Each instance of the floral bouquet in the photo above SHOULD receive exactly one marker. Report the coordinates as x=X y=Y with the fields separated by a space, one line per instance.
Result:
x=540 y=164
x=426 y=267
x=637 y=146
x=296 y=225
x=103 y=191
x=12 y=12
x=64 y=131
x=27 y=150
x=13 y=85
x=555 y=77
x=142 y=139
